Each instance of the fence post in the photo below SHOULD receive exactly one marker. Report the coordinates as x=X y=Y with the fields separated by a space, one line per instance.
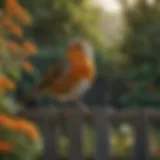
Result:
x=141 y=145
x=48 y=128
x=74 y=126
x=102 y=134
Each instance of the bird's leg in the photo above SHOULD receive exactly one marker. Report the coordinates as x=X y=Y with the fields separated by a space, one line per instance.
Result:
x=82 y=107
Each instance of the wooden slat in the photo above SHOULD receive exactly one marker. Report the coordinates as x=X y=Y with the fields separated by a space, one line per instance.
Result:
x=127 y=115
x=102 y=135
x=140 y=119
x=154 y=115
x=39 y=113
x=141 y=146
x=74 y=125
x=49 y=132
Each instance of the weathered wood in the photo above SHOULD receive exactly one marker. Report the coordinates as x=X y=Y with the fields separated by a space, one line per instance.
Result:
x=49 y=131
x=39 y=113
x=45 y=119
x=124 y=115
x=128 y=115
x=153 y=115
x=74 y=124
x=141 y=145
x=102 y=135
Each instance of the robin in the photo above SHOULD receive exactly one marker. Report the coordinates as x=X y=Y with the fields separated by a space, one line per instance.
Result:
x=72 y=77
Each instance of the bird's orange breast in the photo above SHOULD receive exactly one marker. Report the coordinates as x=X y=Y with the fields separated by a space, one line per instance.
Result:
x=73 y=77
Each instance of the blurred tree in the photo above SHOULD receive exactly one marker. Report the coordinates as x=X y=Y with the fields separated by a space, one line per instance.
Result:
x=142 y=46
x=60 y=20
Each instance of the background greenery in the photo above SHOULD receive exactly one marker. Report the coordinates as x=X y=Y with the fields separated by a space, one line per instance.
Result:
x=142 y=46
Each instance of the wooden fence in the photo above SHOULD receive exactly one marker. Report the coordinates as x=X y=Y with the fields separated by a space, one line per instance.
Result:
x=47 y=120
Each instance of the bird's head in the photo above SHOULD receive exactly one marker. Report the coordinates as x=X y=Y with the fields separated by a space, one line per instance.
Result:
x=79 y=50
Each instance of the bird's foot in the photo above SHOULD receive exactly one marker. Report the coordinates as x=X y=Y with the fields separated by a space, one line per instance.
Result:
x=82 y=107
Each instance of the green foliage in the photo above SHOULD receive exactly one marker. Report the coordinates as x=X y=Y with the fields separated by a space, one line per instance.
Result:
x=8 y=106
x=66 y=19
x=24 y=147
x=142 y=46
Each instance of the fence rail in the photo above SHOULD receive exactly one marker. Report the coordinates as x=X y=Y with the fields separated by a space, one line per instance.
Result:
x=47 y=120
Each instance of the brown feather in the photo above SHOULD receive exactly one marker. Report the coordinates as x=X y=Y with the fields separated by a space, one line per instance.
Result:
x=52 y=75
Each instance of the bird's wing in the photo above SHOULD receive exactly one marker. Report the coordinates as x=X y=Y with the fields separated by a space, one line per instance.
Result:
x=52 y=75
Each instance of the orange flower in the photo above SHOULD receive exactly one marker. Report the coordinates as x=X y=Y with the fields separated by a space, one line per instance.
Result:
x=16 y=30
x=27 y=19
x=14 y=9
x=5 y=83
x=5 y=120
x=27 y=66
x=6 y=22
x=29 y=47
x=23 y=126
x=23 y=16
x=13 y=46
x=11 y=1
x=9 y=7
x=28 y=128
x=5 y=146
x=9 y=84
